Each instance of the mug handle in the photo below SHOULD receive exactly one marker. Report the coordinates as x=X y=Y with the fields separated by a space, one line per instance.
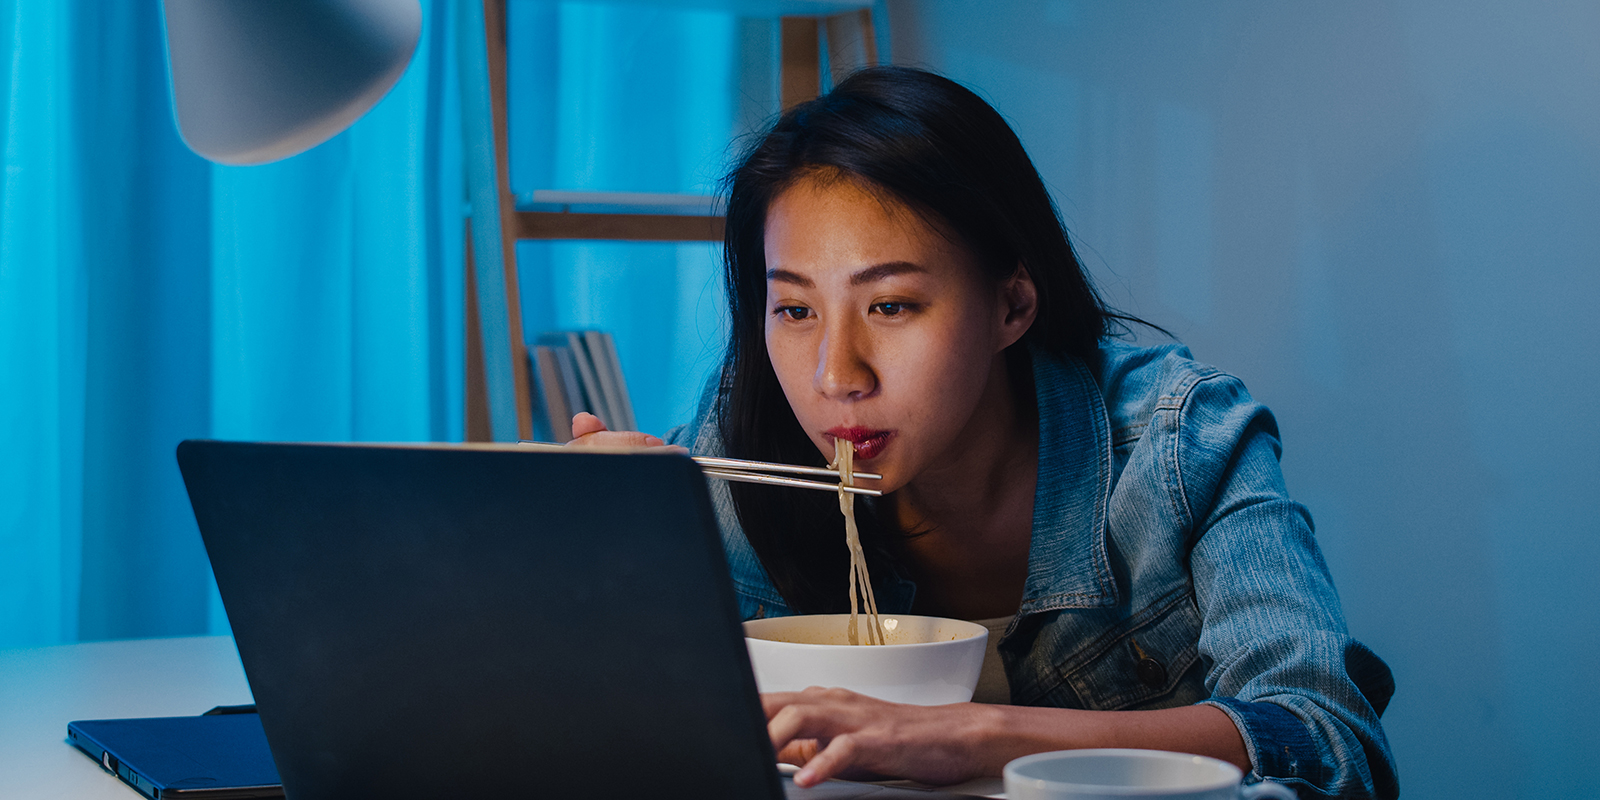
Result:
x=1267 y=790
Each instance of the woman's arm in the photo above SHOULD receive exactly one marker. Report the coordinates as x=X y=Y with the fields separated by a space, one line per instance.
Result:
x=1304 y=695
x=1297 y=698
x=837 y=733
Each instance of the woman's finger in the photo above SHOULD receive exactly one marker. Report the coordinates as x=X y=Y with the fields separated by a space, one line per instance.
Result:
x=838 y=756
x=773 y=702
x=584 y=423
x=816 y=713
x=617 y=439
x=798 y=752
x=791 y=723
x=589 y=431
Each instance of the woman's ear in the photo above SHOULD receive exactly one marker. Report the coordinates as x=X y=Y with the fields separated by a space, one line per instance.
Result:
x=1020 y=305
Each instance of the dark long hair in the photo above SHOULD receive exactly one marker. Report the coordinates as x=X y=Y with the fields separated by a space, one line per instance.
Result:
x=941 y=150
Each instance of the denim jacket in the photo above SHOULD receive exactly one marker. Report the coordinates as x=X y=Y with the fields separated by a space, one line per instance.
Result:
x=1168 y=567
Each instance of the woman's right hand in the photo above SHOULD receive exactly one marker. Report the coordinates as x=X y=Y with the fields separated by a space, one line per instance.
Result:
x=589 y=431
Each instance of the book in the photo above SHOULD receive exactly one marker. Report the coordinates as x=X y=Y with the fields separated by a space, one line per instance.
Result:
x=591 y=382
x=576 y=401
x=626 y=399
x=573 y=372
x=555 y=421
x=594 y=343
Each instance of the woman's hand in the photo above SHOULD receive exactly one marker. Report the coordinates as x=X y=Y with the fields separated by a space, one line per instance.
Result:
x=589 y=431
x=837 y=733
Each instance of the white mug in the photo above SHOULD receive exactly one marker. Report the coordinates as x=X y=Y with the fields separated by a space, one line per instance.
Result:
x=1124 y=774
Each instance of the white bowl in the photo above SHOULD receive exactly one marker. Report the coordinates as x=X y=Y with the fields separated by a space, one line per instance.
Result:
x=927 y=661
x=1122 y=774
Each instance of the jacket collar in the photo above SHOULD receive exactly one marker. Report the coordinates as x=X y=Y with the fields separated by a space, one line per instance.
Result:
x=1068 y=565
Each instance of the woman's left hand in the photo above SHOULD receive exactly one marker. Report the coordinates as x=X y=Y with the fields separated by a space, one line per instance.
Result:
x=837 y=733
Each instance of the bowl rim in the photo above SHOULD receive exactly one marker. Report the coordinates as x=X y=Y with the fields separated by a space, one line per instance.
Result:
x=981 y=631
x=1013 y=770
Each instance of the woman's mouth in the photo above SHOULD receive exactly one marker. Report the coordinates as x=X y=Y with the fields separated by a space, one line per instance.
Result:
x=869 y=442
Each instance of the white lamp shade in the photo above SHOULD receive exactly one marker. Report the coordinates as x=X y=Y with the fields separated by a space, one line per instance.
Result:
x=258 y=80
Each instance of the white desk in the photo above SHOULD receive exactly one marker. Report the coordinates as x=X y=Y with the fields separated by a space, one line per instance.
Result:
x=44 y=688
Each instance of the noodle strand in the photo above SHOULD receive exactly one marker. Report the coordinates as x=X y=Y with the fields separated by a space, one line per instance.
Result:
x=859 y=581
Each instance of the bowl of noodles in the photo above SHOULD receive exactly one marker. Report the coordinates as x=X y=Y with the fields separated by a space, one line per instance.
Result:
x=902 y=658
x=921 y=660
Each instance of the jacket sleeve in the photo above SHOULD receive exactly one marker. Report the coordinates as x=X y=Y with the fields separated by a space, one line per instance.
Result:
x=1305 y=696
x=753 y=587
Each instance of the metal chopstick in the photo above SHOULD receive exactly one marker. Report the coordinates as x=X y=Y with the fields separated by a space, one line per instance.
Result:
x=765 y=466
x=738 y=469
x=755 y=477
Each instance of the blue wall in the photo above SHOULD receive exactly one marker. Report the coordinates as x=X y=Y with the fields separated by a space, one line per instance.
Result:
x=1385 y=217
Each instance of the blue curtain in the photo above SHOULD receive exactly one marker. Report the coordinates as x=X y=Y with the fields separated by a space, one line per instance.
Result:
x=147 y=296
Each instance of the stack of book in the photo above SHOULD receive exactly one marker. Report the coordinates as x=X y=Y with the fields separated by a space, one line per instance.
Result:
x=577 y=371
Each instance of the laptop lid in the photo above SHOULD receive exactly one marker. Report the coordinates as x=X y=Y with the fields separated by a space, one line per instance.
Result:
x=426 y=621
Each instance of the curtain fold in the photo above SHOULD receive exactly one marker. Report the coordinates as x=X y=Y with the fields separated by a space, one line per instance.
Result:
x=141 y=199
x=42 y=345
x=148 y=296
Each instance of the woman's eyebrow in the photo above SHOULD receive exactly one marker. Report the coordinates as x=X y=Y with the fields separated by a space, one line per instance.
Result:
x=785 y=276
x=878 y=272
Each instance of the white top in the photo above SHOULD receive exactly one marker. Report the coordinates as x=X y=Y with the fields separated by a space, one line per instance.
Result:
x=993 y=686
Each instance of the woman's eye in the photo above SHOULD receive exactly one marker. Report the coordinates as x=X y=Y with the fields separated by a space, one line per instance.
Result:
x=889 y=309
x=796 y=313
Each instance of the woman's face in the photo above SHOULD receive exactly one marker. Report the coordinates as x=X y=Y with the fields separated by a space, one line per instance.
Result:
x=882 y=331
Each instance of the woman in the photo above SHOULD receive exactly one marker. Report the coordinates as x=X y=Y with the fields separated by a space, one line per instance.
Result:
x=899 y=278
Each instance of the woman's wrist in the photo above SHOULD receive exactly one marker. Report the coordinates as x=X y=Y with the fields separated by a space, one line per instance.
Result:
x=1010 y=732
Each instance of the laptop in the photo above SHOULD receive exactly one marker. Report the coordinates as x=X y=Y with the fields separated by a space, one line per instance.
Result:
x=485 y=621
x=219 y=755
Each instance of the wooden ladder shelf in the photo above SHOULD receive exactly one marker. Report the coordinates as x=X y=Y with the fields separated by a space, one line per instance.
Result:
x=498 y=382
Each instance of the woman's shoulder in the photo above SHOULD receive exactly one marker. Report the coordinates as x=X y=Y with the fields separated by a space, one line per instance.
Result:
x=1194 y=419
x=1136 y=381
x=700 y=434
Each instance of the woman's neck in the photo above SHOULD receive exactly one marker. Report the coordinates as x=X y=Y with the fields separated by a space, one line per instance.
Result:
x=972 y=514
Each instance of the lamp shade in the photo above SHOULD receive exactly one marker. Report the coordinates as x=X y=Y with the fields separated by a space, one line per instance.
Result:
x=258 y=80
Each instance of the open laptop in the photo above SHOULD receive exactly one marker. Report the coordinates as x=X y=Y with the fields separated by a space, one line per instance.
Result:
x=485 y=621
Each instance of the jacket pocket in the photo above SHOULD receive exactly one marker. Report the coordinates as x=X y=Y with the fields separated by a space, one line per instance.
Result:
x=1151 y=660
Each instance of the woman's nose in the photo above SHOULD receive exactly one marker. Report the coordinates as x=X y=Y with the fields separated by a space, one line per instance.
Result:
x=842 y=372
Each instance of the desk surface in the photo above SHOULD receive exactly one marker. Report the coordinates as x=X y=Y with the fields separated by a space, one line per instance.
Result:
x=44 y=688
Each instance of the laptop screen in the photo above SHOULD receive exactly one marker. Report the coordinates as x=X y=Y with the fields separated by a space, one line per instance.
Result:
x=426 y=621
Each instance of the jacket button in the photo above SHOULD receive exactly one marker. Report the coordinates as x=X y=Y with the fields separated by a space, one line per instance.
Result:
x=1151 y=673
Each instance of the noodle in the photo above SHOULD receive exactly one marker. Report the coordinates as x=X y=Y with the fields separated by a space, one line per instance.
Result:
x=844 y=461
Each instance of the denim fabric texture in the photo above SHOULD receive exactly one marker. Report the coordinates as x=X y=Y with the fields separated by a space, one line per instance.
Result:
x=1168 y=567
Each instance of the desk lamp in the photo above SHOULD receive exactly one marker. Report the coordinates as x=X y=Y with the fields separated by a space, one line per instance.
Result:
x=255 y=81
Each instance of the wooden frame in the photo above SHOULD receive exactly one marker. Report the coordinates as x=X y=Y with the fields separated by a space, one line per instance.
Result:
x=498 y=384
x=501 y=405
x=620 y=227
